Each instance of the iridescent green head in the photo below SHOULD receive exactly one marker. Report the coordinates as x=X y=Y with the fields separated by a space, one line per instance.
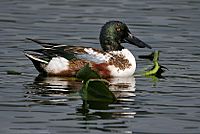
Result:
x=113 y=33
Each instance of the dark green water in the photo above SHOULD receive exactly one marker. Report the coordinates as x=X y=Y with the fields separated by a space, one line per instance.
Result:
x=32 y=105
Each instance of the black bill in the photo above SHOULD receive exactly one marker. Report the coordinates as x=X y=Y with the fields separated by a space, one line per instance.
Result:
x=135 y=41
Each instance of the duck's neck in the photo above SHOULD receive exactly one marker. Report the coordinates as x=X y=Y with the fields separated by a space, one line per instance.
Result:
x=111 y=46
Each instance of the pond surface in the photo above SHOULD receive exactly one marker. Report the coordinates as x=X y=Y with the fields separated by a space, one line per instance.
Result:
x=30 y=104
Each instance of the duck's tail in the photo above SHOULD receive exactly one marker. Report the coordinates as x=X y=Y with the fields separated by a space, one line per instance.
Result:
x=44 y=44
x=38 y=61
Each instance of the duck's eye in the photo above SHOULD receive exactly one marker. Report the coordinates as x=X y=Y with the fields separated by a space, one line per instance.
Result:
x=118 y=29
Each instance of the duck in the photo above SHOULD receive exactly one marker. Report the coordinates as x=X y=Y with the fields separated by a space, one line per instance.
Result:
x=113 y=60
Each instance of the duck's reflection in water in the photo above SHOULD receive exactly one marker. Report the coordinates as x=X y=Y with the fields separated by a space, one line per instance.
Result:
x=54 y=85
x=53 y=90
x=122 y=87
x=59 y=91
x=124 y=91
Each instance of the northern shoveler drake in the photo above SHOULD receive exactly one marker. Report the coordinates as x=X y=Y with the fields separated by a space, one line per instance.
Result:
x=113 y=61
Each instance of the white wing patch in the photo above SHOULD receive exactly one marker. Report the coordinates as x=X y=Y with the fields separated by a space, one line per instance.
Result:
x=94 y=56
x=57 y=65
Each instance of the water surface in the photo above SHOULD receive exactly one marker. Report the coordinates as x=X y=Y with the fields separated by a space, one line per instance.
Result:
x=31 y=104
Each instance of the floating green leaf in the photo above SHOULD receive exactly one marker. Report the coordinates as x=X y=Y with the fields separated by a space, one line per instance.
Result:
x=94 y=88
x=157 y=69
x=87 y=73
x=12 y=72
x=97 y=90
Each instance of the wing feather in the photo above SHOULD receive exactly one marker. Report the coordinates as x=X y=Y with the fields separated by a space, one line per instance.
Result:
x=51 y=50
x=44 y=44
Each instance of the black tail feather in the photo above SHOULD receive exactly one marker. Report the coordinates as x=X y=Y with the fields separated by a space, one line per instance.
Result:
x=37 y=61
x=39 y=66
x=44 y=44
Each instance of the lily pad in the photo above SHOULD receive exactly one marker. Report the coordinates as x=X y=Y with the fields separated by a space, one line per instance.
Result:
x=94 y=88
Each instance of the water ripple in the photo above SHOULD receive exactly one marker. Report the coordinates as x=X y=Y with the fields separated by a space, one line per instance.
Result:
x=29 y=104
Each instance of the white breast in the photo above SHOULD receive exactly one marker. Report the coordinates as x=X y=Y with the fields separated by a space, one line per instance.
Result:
x=116 y=72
